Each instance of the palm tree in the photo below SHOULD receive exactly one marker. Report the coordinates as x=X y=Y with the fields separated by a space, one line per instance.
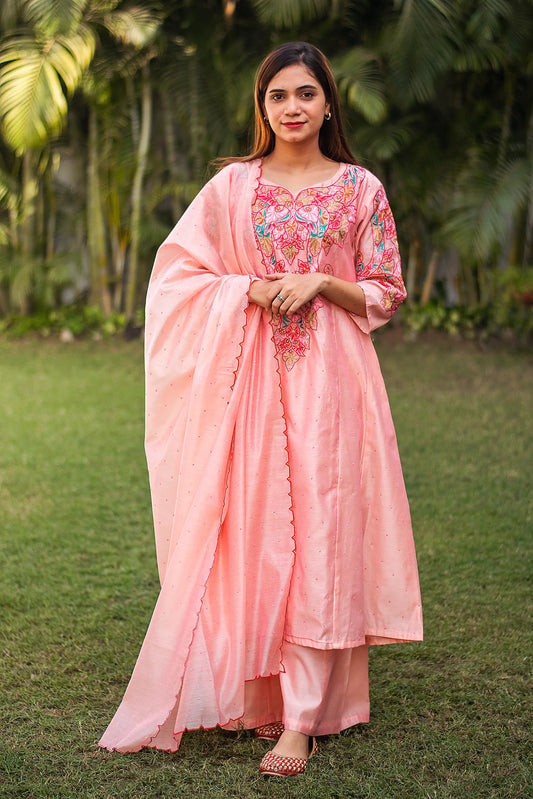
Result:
x=42 y=60
x=44 y=57
x=437 y=97
x=454 y=142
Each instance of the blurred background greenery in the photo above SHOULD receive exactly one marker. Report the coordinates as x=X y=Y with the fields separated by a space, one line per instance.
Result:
x=110 y=112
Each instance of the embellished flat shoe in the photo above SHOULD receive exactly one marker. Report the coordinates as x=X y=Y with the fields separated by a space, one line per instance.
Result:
x=273 y=765
x=270 y=732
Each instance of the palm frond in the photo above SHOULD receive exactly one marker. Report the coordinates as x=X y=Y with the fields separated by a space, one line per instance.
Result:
x=383 y=142
x=33 y=79
x=134 y=26
x=518 y=32
x=10 y=11
x=485 y=201
x=185 y=192
x=472 y=58
x=487 y=31
x=9 y=190
x=421 y=46
x=54 y=17
x=290 y=13
x=71 y=55
x=485 y=21
x=34 y=281
x=361 y=84
x=22 y=282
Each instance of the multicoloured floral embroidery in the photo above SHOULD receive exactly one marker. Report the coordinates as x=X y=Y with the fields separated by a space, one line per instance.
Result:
x=292 y=335
x=384 y=261
x=295 y=233
x=394 y=294
x=305 y=225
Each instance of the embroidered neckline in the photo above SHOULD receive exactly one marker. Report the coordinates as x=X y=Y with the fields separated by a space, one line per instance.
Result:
x=323 y=184
x=295 y=233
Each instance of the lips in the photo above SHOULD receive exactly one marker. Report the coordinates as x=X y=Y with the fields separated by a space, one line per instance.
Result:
x=292 y=125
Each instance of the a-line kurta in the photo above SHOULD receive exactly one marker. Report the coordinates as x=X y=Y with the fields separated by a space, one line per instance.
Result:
x=279 y=504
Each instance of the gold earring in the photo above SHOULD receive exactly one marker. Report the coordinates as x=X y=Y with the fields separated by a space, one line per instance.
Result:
x=327 y=116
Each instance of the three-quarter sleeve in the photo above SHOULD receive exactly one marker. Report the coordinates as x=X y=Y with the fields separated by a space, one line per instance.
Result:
x=378 y=267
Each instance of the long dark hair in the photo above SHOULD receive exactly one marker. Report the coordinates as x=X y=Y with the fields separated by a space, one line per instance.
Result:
x=332 y=140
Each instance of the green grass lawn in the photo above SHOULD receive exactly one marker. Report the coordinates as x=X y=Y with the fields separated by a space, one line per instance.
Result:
x=450 y=718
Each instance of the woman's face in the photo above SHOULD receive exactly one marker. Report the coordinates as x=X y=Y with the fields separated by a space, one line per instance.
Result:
x=295 y=105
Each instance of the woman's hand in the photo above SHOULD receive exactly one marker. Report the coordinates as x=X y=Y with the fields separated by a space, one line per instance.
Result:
x=288 y=292
x=262 y=292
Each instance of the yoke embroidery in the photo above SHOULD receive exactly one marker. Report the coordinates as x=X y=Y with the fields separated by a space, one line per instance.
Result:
x=291 y=233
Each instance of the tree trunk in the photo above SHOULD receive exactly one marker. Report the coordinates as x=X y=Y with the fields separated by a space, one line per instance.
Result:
x=51 y=210
x=195 y=129
x=134 y=112
x=528 y=235
x=430 y=278
x=99 y=288
x=29 y=190
x=506 y=120
x=39 y=225
x=14 y=222
x=470 y=291
x=119 y=240
x=412 y=263
x=136 y=194
x=170 y=149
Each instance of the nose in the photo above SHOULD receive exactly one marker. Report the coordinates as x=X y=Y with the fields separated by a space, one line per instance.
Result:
x=293 y=105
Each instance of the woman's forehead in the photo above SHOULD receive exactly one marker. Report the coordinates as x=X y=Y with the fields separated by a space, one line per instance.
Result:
x=293 y=76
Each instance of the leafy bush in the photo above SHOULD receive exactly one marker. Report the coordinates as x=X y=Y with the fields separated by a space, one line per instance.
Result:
x=509 y=316
x=79 y=320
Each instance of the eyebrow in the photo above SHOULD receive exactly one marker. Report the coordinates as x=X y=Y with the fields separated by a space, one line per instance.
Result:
x=299 y=89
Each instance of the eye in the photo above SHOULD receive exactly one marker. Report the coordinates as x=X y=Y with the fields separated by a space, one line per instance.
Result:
x=276 y=97
x=308 y=95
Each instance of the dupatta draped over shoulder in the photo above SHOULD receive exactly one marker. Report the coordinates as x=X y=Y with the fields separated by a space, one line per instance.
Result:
x=218 y=449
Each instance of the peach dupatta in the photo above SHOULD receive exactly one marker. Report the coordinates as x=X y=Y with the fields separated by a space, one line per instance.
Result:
x=207 y=354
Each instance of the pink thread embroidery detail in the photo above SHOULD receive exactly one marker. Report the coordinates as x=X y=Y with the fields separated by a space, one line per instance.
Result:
x=384 y=263
x=292 y=335
x=291 y=233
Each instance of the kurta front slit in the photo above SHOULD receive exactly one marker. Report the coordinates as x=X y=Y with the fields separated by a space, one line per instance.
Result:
x=281 y=519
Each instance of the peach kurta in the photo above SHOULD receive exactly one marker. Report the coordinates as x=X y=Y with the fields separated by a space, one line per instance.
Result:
x=279 y=505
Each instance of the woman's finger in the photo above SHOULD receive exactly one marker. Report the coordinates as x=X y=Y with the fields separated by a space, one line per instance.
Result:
x=277 y=302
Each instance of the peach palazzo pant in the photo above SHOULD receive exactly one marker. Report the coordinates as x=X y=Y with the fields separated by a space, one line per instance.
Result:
x=321 y=691
x=324 y=690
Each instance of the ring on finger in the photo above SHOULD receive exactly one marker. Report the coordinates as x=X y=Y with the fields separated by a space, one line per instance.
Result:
x=279 y=297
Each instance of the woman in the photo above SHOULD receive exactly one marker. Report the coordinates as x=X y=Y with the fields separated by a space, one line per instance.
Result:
x=282 y=526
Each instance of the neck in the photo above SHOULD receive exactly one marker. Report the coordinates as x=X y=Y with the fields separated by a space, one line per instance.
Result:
x=296 y=158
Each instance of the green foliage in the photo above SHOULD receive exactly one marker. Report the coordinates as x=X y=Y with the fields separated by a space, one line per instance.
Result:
x=421 y=45
x=437 y=97
x=34 y=74
x=135 y=26
x=291 y=13
x=31 y=283
x=360 y=83
x=80 y=320
x=508 y=316
x=483 y=199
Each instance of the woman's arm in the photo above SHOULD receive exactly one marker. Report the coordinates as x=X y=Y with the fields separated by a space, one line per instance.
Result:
x=298 y=289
